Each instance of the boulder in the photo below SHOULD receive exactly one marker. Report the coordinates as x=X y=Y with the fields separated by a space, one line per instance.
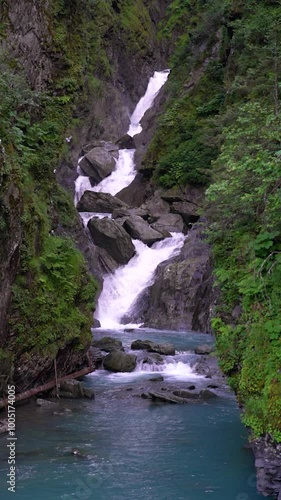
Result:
x=108 y=146
x=166 y=398
x=109 y=235
x=140 y=230
x=161 y=348
x=157 y=378
x=99 y=202
x=135 y=194
x=126 y=142
x=108 y=344
x=186 y=394
x=187 y=210
x=98 y=163
x=203 y=349
x=46 y=405
x=119 y=361
x=169 y=222
x=207 y=394
x=74 y=389
x=151 y=359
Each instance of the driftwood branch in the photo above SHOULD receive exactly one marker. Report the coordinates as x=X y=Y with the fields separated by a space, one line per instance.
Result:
x=47 y=386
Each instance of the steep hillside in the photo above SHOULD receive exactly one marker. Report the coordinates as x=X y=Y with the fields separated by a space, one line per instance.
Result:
x=64 y=65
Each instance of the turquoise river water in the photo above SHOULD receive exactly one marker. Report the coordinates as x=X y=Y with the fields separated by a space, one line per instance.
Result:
x=134 y=449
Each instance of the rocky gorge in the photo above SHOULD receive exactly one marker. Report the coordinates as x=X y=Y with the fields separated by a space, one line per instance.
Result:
x=42 y=231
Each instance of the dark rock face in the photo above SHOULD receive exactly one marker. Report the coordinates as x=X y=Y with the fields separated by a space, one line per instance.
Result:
x=98 y=164
x=187 y=210
x=136 y=193
x=126 y=142
x=268 y=466
x=161 y=348
x=99 y=202
x=119 y=361
x=182 y=292
x=140 y=230
x=108 y=344
x=169 y=222
x=110 y=236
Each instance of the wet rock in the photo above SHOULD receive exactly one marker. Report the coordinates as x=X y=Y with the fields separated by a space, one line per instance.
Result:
x=158 y=378
x=96 y=323
x=98 y=202
x=165 y=398
x=108 y=344
x=207 y=394
x=140 y=230
x=191 y=387
x=160 y=348
x=108 y=146
x=208 y=366
x=203 y=349
x=126 y=142
x=79 y=454
x=212 y=386
x=45 y=404
x=98 y=163
x=119 y=361
x=169 y=222
x=186 y=394
x=63 y=412
x=108 y=235
x=74 y=389
x=151 y=359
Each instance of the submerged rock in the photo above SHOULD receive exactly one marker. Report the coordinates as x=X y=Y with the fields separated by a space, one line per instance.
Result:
x=99 y=202
x=108 y=344
x=160 y=348
x=45 y=404
x=165 y=398
x=110 y=236
x=118 y=361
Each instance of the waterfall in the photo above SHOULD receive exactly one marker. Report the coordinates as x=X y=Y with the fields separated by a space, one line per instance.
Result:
x=124 y=172
x=121 y=289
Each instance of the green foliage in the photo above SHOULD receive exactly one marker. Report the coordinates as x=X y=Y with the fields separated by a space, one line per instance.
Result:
x=53 y=300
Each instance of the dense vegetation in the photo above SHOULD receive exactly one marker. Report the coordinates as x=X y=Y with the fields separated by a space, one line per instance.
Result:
x=221 y=128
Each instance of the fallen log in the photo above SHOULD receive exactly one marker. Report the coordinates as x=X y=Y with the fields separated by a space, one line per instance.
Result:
x=46 y=387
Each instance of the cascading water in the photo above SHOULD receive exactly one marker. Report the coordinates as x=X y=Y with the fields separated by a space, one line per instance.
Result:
x=124 y=172
x=121 y=289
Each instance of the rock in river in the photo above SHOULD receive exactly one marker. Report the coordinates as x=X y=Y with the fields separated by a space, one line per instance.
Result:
x=161 y=348
x=99 y=202
x=108 y=344
x=119 y=361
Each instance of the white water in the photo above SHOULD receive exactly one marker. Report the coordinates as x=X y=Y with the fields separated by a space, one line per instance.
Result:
x=121 y=289
x=124 y=172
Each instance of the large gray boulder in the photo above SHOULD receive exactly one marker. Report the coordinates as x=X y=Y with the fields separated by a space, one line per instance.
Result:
x=119 y=361
x=108 y=344
x=169 y=222
x=139 y=229
x=109 y=235
x=98 y=163
x=135 y=194
x=99 y=202
x=156 y=206
x=150 y=346
x=108 y=146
